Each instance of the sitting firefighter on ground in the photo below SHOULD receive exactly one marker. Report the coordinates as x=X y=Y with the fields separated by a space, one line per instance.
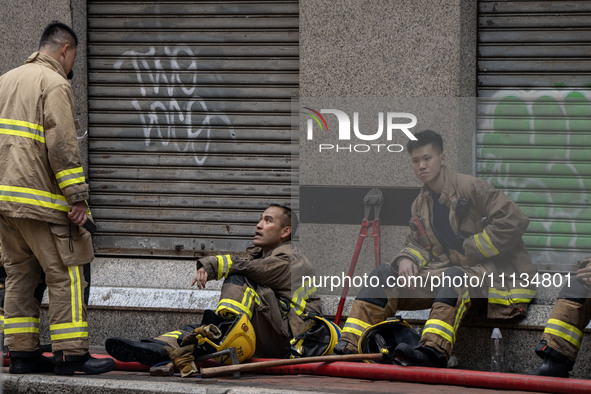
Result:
x=262 y=290
x=462 y=228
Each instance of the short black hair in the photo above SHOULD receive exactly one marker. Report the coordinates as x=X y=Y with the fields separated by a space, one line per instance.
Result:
x=55 y=33
x=290 y=217
x=426 y=137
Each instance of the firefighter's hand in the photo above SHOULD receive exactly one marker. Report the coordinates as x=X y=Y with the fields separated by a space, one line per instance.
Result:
x=585 y=273
x=407 y=268
x=78 y=213
x=200 y=278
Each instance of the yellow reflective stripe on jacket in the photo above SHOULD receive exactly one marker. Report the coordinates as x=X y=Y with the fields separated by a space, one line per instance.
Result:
x=416 y=253
x=441 y=328
x=565 y=331
x=68 y=330
x=21 y=325
x=355 y=326
x=24 y=195
x=21 y=128
x=173 y=334
x=300 y=297
x=508 y=297
x=224 y=265
x=76 y=293
x=70 y=177
x=485 y=245
x=1 y=323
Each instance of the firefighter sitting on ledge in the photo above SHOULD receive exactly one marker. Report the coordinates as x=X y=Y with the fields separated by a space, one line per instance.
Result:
x=263 y=287
x=463 y=228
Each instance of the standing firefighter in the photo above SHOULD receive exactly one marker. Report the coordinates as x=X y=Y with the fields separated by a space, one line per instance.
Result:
x=563 y=334
x=465 y=235
x=43 y=197
x=265 y=288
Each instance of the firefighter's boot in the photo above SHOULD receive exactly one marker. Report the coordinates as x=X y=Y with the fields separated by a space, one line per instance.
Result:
x=552 y=367
x=344 y=347
x=67 y=364
x=422 y=356
x=29 y=362
x=147 y=353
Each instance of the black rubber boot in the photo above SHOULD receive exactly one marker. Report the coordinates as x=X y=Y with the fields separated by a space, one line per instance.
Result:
x=422 y=356
x=147 y=353
x=552 y=367
x=29 y=362
x=68 y=365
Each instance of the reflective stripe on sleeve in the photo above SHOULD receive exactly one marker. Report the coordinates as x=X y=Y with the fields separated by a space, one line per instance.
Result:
x=485 y=245
x=70 y=177
x=416 y=253
x=224 y=265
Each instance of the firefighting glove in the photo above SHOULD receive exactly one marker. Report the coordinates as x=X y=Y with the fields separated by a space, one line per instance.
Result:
x=210 y=331
x=183 y=359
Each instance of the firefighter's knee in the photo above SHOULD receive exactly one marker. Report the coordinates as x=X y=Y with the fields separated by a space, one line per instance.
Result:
x=446 y=293
x=576 y=292
x=239 y=280
x=376 y=294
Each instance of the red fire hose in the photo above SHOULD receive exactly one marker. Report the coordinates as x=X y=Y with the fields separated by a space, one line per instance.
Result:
x=456 y=377
x=492 y=380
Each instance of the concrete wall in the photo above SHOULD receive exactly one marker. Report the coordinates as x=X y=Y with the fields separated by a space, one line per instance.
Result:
x=382 y=49
x=385 y=48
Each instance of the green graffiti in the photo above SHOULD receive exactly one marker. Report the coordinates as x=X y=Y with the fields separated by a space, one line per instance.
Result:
x=537 y=148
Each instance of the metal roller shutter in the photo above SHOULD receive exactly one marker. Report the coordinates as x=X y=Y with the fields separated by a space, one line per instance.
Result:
x=189 y=121
x=534 y=125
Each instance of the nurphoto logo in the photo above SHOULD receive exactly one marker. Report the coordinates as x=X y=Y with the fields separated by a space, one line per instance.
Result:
x=396 y=124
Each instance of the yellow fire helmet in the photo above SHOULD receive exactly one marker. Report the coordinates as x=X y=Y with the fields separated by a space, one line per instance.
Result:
x=318 y=339
x=238 y=333
x=383 y=337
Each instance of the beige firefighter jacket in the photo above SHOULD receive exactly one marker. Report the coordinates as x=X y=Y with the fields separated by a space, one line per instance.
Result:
x=279 y=277
x=41 y=174
x=497 y=246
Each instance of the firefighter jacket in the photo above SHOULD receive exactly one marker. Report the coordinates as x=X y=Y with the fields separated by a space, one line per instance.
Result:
x=41 y=174
x=283 y=276
x=492 y=233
